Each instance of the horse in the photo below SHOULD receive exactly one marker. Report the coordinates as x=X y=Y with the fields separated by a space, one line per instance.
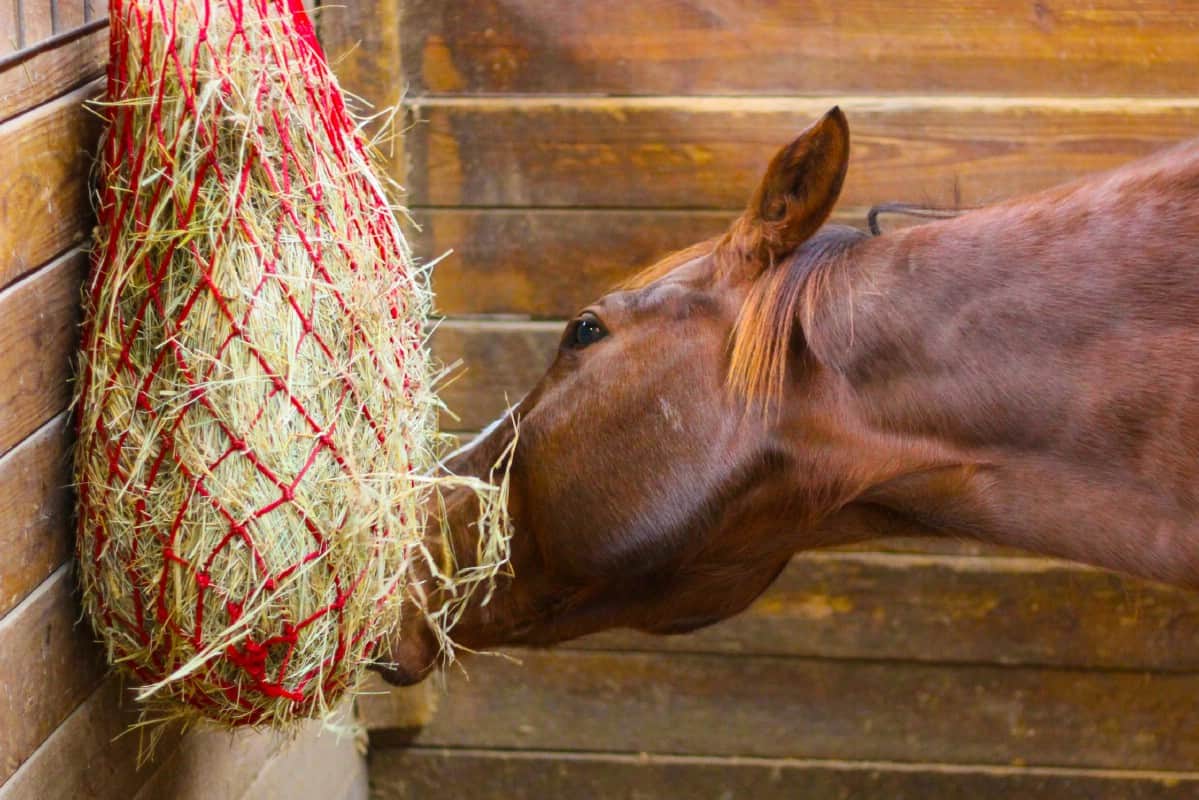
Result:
x=1023 y=374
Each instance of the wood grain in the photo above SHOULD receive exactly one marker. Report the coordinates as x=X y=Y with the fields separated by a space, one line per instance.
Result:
x=44 y=75
x=36 y=504
x=39 y=321
x=10 y=27
x=37 y=21
x=362 y=41
x=832 y=47
x=1028 y=611
x=547 y=263
x=500 y=361
x=44 y=205
x=814 y=708
x=710 y=152
x=403 y=773
x=48 y=666
x=87 y=756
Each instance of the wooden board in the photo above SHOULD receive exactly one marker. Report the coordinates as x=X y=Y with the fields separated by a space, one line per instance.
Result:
x=87 y=756
x=10 y=27
x=710 y=152
x=36 y=504
x=501 y=362
x=815 y=708
x=435 y=772
x=44 y=204
x=832 y=47
x=46 y=74
x=951 y=609
x=37 y=21
x=547 y=263
x=362 y=41
x=39 y=320
x=48 y=666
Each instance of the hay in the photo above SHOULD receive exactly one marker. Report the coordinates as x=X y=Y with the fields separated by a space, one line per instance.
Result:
x=255 y=406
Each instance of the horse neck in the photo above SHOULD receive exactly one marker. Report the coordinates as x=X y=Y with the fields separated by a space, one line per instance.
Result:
x=1014 y=374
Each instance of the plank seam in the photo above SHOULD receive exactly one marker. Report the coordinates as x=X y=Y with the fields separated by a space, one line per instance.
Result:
x=964 y=665
x=14 y=59
x=641 y=758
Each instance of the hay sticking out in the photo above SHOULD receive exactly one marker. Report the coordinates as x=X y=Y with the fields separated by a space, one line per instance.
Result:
x=256 y=411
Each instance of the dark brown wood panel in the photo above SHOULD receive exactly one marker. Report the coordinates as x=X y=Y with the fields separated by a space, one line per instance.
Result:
x=500 y=362
x=39 y=333
x=45 y=74
x=547 y=263
x=48 y=666
x=405 y=773
x=951 y=609
x=44 y=204
x=815 y=708
x=87 y=756
x=830 y=47
x=710 y=152
x=36 y=504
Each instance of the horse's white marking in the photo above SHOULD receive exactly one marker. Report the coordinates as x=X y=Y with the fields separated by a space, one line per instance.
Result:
x=672 y=415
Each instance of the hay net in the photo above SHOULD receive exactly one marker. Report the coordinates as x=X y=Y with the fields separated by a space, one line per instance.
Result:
x=255 y=405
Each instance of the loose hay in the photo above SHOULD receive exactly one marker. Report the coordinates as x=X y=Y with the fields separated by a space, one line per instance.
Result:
x=255 y=403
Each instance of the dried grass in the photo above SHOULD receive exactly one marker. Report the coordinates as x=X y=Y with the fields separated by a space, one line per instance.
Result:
x=256 y=407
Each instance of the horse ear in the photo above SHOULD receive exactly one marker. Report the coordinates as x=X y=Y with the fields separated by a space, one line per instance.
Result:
x=799 y=189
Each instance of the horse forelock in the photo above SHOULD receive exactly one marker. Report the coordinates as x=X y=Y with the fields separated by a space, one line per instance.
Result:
x=779 y=298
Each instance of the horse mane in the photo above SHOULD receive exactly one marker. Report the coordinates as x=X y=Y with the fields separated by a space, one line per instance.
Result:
x=777 y=298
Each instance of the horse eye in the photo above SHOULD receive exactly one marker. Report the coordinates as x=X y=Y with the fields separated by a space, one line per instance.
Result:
x=587 y=331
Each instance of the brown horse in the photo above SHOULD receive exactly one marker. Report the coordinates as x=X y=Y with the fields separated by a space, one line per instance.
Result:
x=1024 y=374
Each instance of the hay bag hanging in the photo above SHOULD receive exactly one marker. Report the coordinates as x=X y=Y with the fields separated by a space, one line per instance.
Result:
x=255 y=407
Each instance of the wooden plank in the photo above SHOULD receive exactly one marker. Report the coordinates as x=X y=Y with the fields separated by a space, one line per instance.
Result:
x=44 y=204
x=38 y=338
x=48 y=666
x=501 y=361
x=37 y=21
x=951 y=609
x=815 y=708
x=436 y=772
x=834 y=47
x=10 y=27
x=710 y=152
x=36 y=504
x=363 y=44
x=68 y=15
x=547 y=263
x=46 y=74
x=87 y=756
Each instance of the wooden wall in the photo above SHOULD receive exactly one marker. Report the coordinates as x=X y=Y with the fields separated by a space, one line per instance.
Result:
x=60 y=715
x=556 y=146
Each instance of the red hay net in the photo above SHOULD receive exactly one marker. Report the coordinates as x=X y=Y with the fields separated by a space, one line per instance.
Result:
x=171 y=206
